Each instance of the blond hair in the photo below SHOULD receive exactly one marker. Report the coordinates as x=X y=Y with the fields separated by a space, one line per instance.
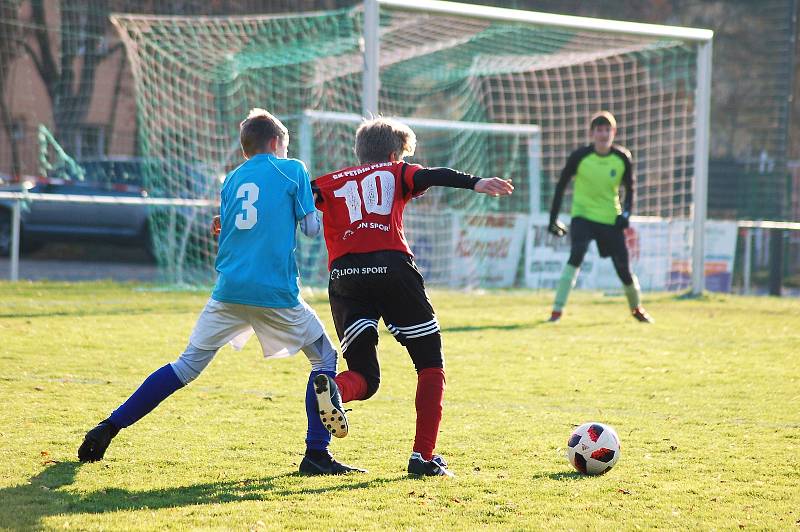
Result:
x=379 y=138
x=602 y=118
x=258 y=129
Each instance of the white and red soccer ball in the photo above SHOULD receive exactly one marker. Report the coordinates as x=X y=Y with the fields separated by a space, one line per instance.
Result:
x=593 y=448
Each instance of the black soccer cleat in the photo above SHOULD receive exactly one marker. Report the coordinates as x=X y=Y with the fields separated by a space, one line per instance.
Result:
x=640 y=314
x=329 y=405
x=97 y=441
x=555 y=316
x=435 y=467
x=326 y=465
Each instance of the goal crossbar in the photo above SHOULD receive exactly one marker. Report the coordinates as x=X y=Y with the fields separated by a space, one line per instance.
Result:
x=549 y=19
x=432 y=123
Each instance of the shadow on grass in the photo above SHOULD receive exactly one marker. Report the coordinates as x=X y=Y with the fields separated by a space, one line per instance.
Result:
x=25 y=505
x=510 y=327
x=82 y=313
x=521 y=326
x=560 y=475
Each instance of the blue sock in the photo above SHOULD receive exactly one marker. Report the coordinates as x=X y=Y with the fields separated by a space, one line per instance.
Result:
x=317 y=438
x=155 y=388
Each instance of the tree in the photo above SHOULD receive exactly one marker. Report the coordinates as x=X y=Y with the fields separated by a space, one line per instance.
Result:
x=70 y=78
x=9 y=49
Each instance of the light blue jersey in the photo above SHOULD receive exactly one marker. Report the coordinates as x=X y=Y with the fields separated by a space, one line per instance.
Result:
x=262 y=201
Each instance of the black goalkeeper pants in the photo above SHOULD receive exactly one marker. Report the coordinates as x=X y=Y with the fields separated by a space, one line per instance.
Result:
x=610 y=243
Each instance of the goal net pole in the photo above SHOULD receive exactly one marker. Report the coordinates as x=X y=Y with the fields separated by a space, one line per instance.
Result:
x=701 y=38
x=702 y=113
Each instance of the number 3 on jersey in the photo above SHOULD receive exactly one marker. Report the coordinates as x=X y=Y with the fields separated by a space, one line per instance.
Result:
x=249 y=217
x=374 y=201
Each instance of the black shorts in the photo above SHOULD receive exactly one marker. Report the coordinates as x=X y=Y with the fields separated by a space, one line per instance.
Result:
x=610 y=239
x=365 y=287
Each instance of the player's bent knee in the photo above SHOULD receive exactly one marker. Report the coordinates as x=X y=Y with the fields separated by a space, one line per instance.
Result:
x=373 y=383
x=192 y=362
x=321 y=354
x=576 y=254
x=426 y=351
x=361 y=355
x=627 y=278
x=623 y=268
x=367 y=369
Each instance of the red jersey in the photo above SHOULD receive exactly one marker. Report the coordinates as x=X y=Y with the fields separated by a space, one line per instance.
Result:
x=363 y=207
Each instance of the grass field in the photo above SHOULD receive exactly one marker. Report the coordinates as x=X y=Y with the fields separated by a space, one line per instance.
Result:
x=706 y=403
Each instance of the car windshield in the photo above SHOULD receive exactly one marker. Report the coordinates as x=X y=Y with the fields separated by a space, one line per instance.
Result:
x=158 y=176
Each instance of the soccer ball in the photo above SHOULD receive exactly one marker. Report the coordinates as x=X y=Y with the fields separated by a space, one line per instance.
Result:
x=593 y=448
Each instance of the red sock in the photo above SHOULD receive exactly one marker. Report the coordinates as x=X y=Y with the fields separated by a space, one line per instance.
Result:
x=352 y=386
x=430 y=390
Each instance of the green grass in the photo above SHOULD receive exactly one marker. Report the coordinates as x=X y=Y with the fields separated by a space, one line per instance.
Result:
x=706 y=403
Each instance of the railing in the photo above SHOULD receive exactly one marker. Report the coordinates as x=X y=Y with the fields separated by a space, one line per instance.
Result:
x=776 y=259
x=19 y=197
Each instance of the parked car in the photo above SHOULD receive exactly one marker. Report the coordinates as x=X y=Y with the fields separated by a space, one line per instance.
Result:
x=48 y=221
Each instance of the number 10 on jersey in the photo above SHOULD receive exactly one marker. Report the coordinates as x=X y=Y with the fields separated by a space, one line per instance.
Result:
x=370 y=198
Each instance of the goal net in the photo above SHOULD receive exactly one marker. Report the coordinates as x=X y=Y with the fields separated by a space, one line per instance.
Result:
x=196 y=78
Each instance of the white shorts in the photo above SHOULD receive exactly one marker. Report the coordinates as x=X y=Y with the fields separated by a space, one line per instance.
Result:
x=282 y=332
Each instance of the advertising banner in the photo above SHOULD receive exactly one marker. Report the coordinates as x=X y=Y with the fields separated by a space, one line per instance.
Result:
x=659 y=250
x=488 y=249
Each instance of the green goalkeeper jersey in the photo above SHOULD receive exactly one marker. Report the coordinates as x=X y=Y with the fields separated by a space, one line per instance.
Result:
x=597 y=181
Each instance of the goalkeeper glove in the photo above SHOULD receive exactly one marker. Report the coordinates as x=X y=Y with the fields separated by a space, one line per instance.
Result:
x=623 y=220
x=556 y=227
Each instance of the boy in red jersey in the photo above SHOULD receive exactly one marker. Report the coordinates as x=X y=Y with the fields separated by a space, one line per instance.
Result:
x=373 y=276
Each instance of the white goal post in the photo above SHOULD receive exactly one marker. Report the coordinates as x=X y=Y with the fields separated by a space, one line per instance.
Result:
x=701 y=39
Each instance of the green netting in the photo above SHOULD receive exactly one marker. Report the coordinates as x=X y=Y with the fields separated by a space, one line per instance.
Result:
x=197 y=77
x=53 y=158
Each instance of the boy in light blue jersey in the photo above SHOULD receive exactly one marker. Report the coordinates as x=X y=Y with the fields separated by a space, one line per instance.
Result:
x=262 y=202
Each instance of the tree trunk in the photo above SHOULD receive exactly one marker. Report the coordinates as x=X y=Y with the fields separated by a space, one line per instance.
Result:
x=9 y=48
x=8 y=126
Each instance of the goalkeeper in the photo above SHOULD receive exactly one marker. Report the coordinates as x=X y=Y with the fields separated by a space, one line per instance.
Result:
x=599 y=168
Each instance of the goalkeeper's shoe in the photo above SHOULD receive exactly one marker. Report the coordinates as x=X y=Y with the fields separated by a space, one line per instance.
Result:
x=555 y=316
x=326 y=465
x=435 y=467
x=97 y=441
x=329 y=405
x=640 y=314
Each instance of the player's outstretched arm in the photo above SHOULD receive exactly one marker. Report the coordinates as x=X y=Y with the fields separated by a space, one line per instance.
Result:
x=494 y=186
x=425 y=178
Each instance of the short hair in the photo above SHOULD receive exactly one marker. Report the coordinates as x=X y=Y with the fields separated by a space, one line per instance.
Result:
x=603 y=118
x=258 y=129
x=380 y=137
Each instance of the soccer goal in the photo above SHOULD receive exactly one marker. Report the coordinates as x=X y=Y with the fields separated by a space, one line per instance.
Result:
x=196 y=77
